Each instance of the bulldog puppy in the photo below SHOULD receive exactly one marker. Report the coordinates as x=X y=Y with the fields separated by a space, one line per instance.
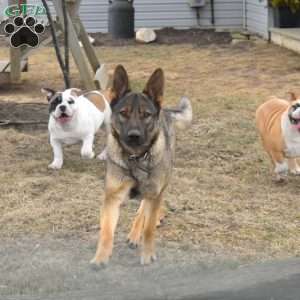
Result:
x=75 y=117
x=278 y=123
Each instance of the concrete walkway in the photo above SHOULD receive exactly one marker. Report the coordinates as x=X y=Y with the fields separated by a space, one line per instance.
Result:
x=286 y=37
x=51 y=269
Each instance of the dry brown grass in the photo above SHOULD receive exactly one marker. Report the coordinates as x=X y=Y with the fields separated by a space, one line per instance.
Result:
x=221 y=200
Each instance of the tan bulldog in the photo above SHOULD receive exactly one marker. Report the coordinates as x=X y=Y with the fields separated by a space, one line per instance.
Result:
x=278 y=123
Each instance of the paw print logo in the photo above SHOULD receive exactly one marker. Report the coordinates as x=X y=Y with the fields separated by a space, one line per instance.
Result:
x=24 y=31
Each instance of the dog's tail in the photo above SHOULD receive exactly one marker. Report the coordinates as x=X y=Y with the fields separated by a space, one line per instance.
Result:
x=183 y=114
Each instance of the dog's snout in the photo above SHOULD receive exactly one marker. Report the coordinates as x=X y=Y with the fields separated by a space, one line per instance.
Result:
x=134 y=136
x=63 y=108
x=134 y=133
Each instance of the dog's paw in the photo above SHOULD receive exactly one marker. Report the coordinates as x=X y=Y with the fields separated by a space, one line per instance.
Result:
x=102 y=155
x=147 y=259
x=55 y=165
x=280 y=179
x=160 y=219
x=98 y=263
x=87 y=154
x=132 y=244
x=133 y=238
x=295 y=172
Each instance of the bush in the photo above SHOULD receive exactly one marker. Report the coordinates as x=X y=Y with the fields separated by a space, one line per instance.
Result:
x=293 y=5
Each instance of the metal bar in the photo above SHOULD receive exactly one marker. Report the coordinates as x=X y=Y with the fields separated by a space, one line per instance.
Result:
x=66 y=43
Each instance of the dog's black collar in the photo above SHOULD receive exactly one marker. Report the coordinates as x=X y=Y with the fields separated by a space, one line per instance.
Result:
x=143 y=156
x=133 y=162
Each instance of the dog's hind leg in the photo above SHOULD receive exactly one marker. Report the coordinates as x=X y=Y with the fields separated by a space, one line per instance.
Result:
x=87 y=147
x=151 y=211
x=293 y=166
x=137 y=227
x=103 y=154
x=115 y=193
x=161 y=216
x=135 y=233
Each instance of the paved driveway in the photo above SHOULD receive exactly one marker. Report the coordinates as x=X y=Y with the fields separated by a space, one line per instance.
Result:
x=58 y=269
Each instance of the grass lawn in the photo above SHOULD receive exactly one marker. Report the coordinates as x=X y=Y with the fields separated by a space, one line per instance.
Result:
x=221 y=200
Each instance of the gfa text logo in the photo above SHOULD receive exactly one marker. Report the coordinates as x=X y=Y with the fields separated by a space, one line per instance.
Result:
x=25 y=10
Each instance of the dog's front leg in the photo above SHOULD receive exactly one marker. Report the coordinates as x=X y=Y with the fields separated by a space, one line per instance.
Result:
x=151 y=211
x=87 y=147
x=281 y=166
x=114 y=196
x=57 y=153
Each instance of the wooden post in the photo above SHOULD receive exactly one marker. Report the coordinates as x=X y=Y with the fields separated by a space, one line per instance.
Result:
x=89 y=49
x=73 y=8
x=15 y=57
x=15 y=64
x=77 y=54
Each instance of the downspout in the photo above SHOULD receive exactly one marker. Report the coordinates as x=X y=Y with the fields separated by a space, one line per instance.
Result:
x=212 y=7
x=198 y=15
x=244 y=15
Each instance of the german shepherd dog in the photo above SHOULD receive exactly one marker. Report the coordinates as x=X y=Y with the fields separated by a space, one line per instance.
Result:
x=140 y=155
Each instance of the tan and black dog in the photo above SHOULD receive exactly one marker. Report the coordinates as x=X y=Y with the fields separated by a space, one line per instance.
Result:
x=140 y=156
x=278 y=123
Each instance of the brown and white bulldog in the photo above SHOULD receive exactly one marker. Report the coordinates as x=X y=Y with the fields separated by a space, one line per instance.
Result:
x=76 y=117
x=278 y=123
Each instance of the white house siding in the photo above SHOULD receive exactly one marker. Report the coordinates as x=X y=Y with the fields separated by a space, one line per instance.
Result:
x=3 y=4
x=257 y=17
x=160 y=13
x=165 y=13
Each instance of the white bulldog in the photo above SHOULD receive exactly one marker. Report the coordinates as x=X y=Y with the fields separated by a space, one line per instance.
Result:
x=75 y=117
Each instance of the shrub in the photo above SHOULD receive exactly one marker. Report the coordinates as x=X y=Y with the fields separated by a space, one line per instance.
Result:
x=293 y=5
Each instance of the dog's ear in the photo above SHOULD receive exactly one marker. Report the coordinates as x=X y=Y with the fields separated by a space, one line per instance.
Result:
x=49 y=93
x=155 y=86
x=76 y=92
x=120 y=84
x=292 y=96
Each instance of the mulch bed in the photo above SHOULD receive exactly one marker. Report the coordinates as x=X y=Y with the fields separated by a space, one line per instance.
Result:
x=171 y=36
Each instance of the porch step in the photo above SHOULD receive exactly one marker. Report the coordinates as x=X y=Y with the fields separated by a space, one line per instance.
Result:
x=286 y=37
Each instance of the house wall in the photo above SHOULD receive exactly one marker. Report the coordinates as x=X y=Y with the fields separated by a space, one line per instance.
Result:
x=178 y=14
x=257 y=17
x=3 y=4
x=162 y=13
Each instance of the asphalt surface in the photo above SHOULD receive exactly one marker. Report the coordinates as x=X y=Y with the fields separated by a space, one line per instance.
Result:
x=51 y=269
x=282 y=289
